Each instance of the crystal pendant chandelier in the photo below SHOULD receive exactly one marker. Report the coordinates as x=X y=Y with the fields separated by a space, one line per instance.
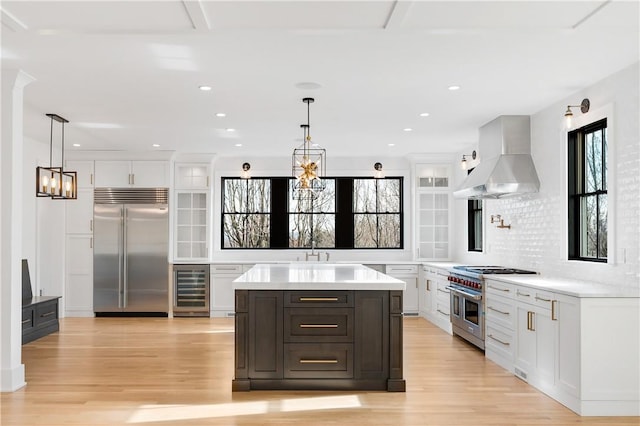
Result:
x=55 y=182
x=308 y=164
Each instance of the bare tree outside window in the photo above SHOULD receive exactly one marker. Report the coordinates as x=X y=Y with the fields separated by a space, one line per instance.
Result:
x=246 y=213
x=314 y=219
x=376 y=208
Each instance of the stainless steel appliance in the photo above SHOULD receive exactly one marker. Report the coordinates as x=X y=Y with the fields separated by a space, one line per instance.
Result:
x=191 y=290
x=130 y=251
x=466 y=286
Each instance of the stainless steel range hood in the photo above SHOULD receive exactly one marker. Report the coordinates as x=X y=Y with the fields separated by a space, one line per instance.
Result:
x=506 y=168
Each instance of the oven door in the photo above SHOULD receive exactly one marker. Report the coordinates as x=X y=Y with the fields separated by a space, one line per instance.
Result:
x=467 y=311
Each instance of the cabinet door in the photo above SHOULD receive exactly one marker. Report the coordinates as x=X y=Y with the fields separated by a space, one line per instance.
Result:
x=566 y=311
x=222 y=295
x=79 y=213
x=84 y=170
x=78 y=295
x=265 y=335
x=525 y=342
x=536 y=345
x=410 y=295
x=191 y=226
x=191 y=176
x=112 y=174
x=150 y=174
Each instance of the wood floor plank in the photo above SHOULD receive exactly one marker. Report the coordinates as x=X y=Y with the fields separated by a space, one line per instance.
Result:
x=159 y=371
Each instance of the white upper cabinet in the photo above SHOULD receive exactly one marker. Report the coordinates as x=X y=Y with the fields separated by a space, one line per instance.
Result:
x=131 y=174
x=84 y=169
x=192 y=175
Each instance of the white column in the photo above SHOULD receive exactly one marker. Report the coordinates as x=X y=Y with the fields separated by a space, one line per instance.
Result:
x=11 y=368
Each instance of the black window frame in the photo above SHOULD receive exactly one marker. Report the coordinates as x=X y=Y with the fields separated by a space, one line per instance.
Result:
x=577 y=191
x=474 y=226
x=344 y=215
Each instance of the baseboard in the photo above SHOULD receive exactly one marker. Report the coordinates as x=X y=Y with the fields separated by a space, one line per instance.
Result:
x=12 y=379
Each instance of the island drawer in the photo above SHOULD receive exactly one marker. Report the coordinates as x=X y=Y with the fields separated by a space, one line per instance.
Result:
x=313 y=361
x=318 y=324
x=319 y=298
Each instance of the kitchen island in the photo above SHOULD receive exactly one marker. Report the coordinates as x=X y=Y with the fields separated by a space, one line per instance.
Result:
x=318 y=326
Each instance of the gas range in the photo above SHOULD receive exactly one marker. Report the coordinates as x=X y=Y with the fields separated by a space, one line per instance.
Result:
x=472 y=277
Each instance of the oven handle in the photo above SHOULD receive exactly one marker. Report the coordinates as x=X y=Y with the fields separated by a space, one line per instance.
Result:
x=464 y=293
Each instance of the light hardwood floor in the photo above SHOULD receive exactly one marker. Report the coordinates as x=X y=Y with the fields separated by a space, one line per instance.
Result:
x=159 y=371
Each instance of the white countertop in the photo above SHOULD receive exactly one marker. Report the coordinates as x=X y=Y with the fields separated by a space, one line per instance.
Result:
x=570 y=287
x=315 y=276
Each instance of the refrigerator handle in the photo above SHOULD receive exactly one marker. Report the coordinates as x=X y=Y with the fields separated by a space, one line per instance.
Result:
x=120 y=261
x=125 y=287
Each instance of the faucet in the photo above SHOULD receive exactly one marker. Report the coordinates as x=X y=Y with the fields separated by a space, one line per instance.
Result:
x=313 y=252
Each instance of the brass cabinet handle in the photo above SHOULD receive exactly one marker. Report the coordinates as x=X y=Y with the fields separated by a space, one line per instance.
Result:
x=91 y=178
x=318 y=361
x=207 y=181
x=26 y=321
x=500 y=289
x=498 y=311
x=318 y=325
x=443 y=313
x=543 y=299
x=554 y=312
x=523 y=294
x=91 y=225
x=443 y=291
x=317 y=299
x=498 y=340
x=48 y=314
x=531 y=325
x=428 y=285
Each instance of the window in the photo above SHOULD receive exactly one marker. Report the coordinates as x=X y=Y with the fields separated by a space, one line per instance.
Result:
x=246 y=213
x=376 y=213
x=474 y=225
x=588 y=192
x=349 y=213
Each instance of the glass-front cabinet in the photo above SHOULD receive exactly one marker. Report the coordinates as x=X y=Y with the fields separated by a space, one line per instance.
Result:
x=433 y=206
x=191 y=226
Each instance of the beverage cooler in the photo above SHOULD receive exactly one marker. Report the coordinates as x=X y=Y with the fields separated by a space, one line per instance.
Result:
x=191 y=290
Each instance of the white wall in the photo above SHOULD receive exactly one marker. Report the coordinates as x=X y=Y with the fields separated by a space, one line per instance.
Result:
x=538 y=236
x=42 y=227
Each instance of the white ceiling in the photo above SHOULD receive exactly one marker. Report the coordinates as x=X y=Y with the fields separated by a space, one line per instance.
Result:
x=126 y=74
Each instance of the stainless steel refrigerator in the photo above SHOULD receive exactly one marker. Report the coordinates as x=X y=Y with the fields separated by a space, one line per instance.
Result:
x=130 y=251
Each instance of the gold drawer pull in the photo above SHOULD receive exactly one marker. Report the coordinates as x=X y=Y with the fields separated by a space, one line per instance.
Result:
x=554 y=317
x=26 y=321
x=48 y=314
x=498 y=288
x=523 y=294
x=543 y=299
x=499 y=341
x=318 y=325
x=498 y=311
x=318 y=361
x=443 y=313
x=317 y=299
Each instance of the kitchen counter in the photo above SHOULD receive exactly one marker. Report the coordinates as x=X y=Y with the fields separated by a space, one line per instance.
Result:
x=318 y=326
x=570 y=287
x=315 y=276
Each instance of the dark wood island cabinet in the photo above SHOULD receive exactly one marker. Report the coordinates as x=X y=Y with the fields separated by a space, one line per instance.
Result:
x=319 y=339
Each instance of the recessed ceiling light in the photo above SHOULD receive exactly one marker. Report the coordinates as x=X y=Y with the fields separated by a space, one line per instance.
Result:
x=424 y=114
x=231 y=130
x=308 y=85
x=392 y=144
x=76 y=145
x=454 y=87
x=155 y=145
x=238 y=144
x=204 y=88
x=408 y=129
x=220 y=114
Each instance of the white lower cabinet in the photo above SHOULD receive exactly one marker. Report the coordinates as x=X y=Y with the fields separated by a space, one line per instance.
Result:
x=410 y=297
x=78 y=292
x=222 y=295
x=583 y=352
x=437 y=303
